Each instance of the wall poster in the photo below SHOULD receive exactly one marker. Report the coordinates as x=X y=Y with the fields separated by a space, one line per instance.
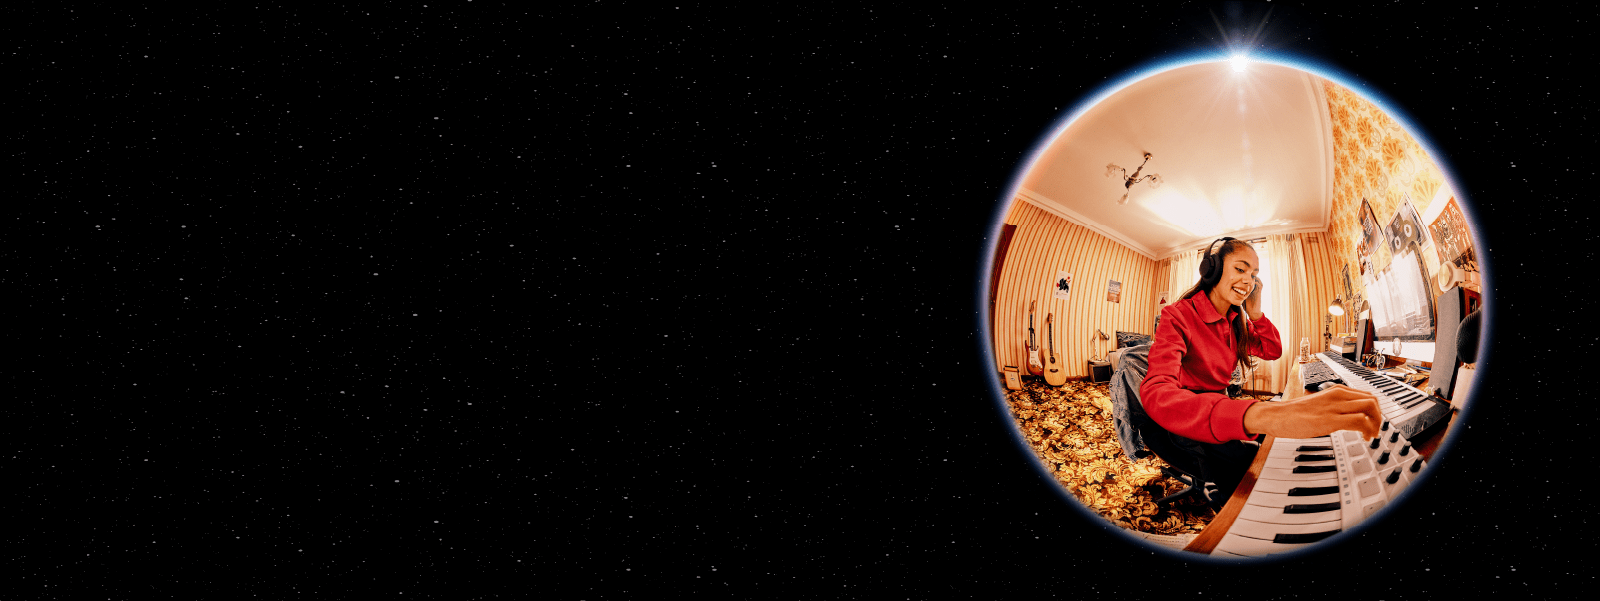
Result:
x=1370 y=237
x=1114 y=291
x=1406 y=228
x=1063 y=285
x=1451 y=238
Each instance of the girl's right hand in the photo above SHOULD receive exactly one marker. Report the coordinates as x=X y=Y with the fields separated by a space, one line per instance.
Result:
x=1318 y=414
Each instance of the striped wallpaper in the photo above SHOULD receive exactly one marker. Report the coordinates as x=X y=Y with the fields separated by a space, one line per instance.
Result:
x=1046 y=243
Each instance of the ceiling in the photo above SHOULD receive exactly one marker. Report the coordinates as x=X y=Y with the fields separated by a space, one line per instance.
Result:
x=1240 y=154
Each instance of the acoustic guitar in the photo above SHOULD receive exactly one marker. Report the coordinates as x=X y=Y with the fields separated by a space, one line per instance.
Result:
x=1055 y=373
x=1035 y=366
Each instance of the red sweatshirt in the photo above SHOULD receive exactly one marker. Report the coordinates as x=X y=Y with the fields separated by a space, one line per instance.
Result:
x=1193 y=352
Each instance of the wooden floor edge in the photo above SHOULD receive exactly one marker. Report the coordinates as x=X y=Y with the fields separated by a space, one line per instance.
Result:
x=1208 y=538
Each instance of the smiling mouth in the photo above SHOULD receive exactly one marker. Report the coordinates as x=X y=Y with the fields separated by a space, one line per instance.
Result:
x=1241 y=292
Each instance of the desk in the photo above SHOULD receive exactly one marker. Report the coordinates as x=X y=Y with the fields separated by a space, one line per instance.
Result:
x=1426 y=444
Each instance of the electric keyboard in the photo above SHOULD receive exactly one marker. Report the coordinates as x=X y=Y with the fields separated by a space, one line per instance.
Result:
x=1316 y=373
x=1308 y=489
x=1313 y=488
x=1412 y=411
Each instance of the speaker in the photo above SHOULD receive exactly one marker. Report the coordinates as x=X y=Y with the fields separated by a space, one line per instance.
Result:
x=1363 y=337
x=1450 y=306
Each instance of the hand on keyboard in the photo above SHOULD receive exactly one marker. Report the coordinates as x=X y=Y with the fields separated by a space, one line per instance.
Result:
x=1318 y=414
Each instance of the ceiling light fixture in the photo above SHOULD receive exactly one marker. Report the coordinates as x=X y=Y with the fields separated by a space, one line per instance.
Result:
x=1130 y=180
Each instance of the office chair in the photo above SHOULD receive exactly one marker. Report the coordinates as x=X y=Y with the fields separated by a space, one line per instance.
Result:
x=1131 y=424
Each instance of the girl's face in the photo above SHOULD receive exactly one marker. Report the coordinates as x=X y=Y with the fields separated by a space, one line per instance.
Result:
x=1238 y=276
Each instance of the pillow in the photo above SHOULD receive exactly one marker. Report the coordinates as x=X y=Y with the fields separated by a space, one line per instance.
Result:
x=1127 y=339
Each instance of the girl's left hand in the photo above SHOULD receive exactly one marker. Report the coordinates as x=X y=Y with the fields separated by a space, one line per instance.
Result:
x=1252 y=303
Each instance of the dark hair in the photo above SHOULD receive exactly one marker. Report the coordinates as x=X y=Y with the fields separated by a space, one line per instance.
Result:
x=1211 y=270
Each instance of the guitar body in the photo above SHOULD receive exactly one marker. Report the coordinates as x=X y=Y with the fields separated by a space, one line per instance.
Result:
x=1035 y=365
x=1055 y=370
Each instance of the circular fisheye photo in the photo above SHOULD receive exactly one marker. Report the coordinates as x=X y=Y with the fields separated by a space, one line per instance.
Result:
x=1233 y=308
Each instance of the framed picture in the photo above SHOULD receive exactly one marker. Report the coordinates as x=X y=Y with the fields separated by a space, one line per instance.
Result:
x=1405 y=229
x=1349 y=290
x=1063 y=285
x=1451 y=238
x=1370 y=236
x=1114 y=291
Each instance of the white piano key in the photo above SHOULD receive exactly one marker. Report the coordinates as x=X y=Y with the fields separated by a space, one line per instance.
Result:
x=1243 y=546
x=1275 y=515
x=1290 y=464
x=1298 y=479
x=1290 y=451
x=1278 y=486
x=1268 y=530
x=1281 y=500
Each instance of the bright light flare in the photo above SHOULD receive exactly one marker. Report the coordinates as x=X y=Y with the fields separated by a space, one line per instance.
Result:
x=1239 y=62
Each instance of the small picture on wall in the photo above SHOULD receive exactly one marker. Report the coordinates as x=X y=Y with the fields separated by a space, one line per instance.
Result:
x=1163 y=300
x=1062 y=286
x=1349 y=291
x=1451 y=238
x=1405 y=229
x=1370 y=236
x=1114 y=292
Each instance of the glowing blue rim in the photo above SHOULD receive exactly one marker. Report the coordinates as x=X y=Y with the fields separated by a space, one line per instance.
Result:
x=1314 y=67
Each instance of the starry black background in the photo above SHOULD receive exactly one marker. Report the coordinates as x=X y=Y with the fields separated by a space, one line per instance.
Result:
x=474 y=300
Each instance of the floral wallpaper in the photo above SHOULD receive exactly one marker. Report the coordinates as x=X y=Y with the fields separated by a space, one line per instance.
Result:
x=1377 y=161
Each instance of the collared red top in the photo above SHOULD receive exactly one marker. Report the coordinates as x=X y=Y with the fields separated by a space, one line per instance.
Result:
x=1193 y=353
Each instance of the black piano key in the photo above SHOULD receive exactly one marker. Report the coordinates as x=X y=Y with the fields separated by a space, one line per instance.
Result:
x=1312 y=491
x=1315 y=469
x=1303 y=448
x=1311 y=507
x=1290 y=539
x=1313 y=458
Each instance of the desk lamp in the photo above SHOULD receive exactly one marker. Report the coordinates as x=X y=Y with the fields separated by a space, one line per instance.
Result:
x=1336 y=309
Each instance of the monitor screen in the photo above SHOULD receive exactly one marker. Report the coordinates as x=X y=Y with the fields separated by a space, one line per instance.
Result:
x=1402 y=306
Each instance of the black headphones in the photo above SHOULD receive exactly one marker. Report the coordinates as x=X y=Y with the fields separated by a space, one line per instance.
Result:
x=1212 y=263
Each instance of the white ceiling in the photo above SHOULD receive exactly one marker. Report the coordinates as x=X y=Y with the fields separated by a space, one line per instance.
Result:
x=1241 y=154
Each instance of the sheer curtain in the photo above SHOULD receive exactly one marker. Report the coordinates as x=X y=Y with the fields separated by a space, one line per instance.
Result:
x=1184 y=273
x=1284 y=288
x=1284 y=274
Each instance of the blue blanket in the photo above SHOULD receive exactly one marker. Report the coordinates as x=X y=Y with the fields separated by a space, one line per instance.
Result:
x=1127 y=374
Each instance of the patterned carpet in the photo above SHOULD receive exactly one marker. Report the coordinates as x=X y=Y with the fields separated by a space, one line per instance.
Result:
x=1069 y=429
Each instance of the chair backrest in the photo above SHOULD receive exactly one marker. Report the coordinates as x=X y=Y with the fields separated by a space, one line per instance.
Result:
x=1128 y=369
x=1131 y=368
